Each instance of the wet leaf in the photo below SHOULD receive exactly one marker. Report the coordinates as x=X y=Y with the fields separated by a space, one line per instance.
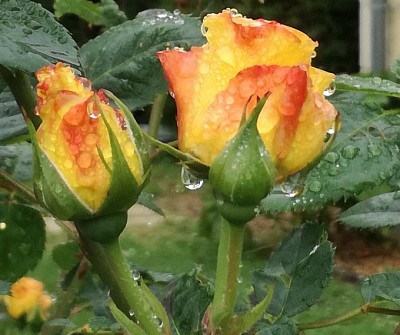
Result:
x=123 y=59
x=380 y=211
x=364 y=156
x=189 y=300
x=300 y=269
x=283 y=326
x=382 y=286
x=104 y=13
x=22 y=239
x=30 y=37
x=16 y=160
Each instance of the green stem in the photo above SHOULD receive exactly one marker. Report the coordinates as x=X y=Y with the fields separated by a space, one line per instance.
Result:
x=360 y=310
x=109 y=262
x=14 y=185
x=156 y=114
x=21 y=88
x=228 y=270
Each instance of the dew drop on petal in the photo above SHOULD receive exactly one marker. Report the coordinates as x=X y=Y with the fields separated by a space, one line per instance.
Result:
x=203 y=29
x=330 y=90
x=190 y=181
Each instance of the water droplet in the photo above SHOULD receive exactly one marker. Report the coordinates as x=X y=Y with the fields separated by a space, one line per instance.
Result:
x=329 y=133
x=176 y=12
x=172 y=94
x=331 y=157
x=62 y=39
x=3 y=225
x=203 y=29
x=190 y=181
x=374 y=150
x=314 y=54
x=330 y=89
x=131 y=312
x=135 y=274
x=291 y=190
x=93 y=115
x=315 y=186
x=350 y=151
x=159 y=322
x=27 y=31
x=333 y=171
x=239 y=279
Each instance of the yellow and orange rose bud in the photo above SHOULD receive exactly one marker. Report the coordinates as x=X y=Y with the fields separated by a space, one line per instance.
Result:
x=246 y=58
x=90 y=157
x=27 y=298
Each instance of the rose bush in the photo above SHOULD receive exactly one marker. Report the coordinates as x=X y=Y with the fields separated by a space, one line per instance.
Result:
x=243 y=59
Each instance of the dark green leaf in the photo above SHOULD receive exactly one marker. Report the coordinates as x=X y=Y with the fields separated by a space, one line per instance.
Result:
x=30 y=37
x=65 y=323
x=97 y=323
x=123 y=59
x=364 y=155
x=379 y=211
x=300 y=269
x=4 y=287
x=283 y=326
x=66 y=255
x=22 y=240
x=11 y=120
x=104 y=13
x=16 y=160
x=380 y=286
x=189 y=300
x=371 y=85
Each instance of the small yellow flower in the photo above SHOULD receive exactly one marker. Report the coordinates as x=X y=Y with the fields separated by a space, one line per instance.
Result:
x=27 y=297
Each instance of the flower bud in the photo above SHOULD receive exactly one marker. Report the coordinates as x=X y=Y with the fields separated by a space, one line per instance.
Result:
x=243 y=174
x=90 y=158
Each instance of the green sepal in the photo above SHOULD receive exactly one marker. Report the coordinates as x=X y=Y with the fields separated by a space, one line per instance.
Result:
x=243 y=173
x=124 y=188
x=51 y=190
x=103 y=229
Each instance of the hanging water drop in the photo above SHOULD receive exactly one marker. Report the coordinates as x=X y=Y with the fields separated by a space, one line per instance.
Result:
x=314 y=54
x=329 y=133
x=172 y=94
x=3 y=225
x=135 y=274
x=131 y=312
x=330 y=89
x=203 y=29
x=190 y=181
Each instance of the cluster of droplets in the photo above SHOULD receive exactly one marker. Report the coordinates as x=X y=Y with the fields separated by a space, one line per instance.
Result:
x=190 y=181
x=374 y=83
x=162 y=16
x=232 y=11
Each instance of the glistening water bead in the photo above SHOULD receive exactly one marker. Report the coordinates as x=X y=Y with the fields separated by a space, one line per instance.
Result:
x=330 y=89
x=190 y=181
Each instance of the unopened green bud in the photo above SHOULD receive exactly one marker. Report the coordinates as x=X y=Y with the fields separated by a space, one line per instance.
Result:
x=244 y=173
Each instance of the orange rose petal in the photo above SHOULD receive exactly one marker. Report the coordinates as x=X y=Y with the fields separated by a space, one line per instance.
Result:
x=277 y=123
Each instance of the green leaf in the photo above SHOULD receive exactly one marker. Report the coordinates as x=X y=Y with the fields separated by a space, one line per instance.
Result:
x=97 y=323
x=104 y=13
x=396 y=68
x=283 y=326
x=363 y=156
x=30 y=37
x=147 y=200
x=371 y=85
x=380 y=211
x=123 y=59
x=22 y=240
x=189 y=300
x=66 y=255
x=380 y=286
x=129 y=326
x=11 y=120
x=300 y=269
x=16 y=160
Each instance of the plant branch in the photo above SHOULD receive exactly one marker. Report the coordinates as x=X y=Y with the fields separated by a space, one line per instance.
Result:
x=156 y=114
x=367 y=308
x=14 y=185
x=228 y=270
x=21 y=88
